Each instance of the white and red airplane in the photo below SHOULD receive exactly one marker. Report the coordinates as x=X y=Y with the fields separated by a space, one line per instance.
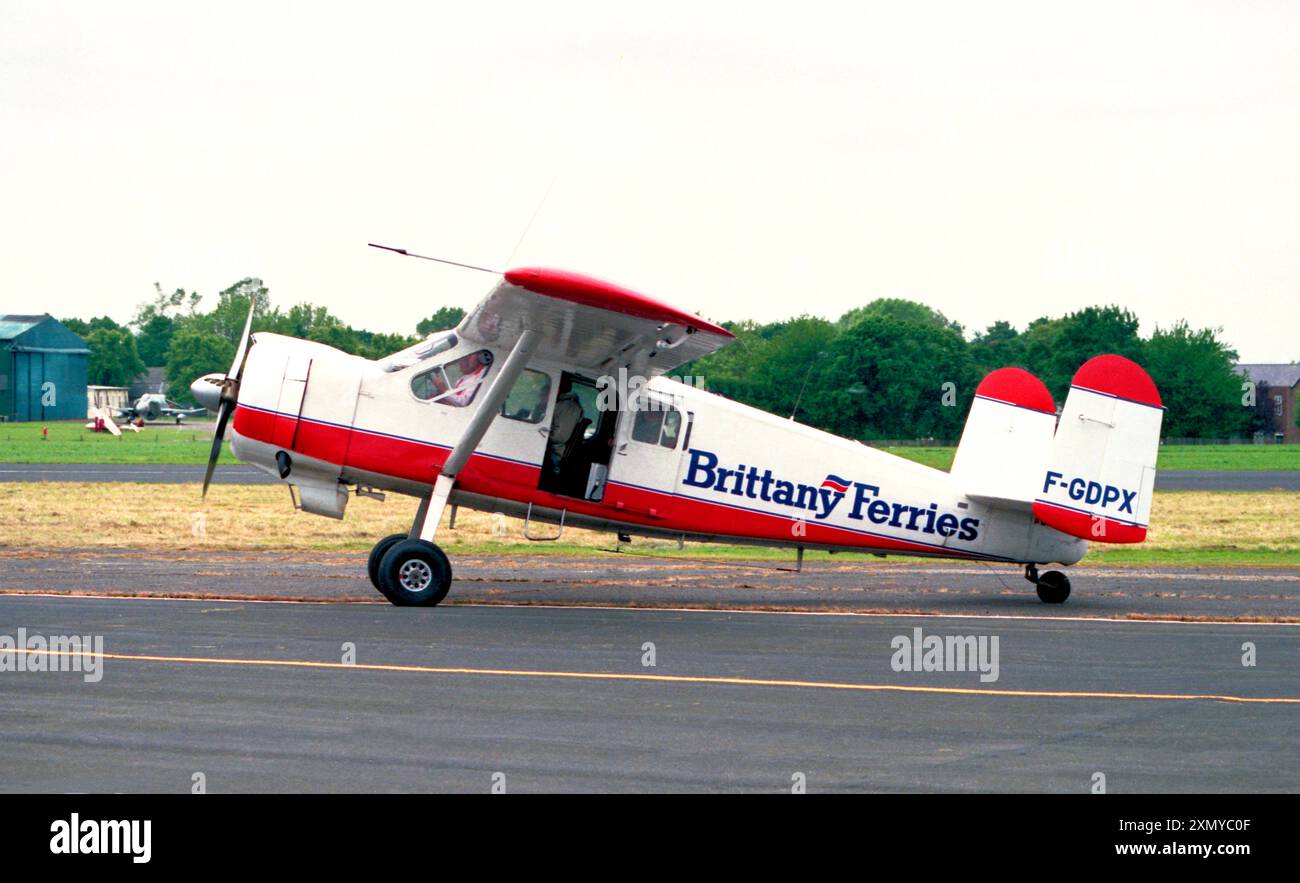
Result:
x=526 y=408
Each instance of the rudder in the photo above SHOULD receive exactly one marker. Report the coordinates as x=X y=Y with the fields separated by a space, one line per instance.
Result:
x=1101 y=471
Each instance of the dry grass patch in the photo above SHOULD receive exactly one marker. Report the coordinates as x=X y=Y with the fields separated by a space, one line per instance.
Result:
x=1186 y=526
x=256 y=517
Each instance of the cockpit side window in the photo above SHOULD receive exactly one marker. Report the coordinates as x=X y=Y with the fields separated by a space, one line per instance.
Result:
x=454 y=383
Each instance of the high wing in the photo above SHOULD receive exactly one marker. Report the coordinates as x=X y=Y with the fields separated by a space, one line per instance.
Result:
x=590 y=324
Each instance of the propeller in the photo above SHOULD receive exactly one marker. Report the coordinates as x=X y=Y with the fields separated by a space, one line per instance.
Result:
x=229 y=391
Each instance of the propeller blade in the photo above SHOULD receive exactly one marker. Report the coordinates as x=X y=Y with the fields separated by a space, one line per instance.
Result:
x=237 y=366
x=229 y=398
x=217 y=437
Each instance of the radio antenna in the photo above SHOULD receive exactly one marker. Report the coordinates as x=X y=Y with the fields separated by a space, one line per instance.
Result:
x=541 y=202
x=425 y=257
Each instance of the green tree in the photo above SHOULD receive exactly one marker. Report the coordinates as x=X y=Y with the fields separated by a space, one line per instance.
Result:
x=1055 y=348
x=228 y=316
x=998 y=346
x=298 y=321
x=154 y=338
x=900 y=309
x=446 y=317
x=732 y=370
x=885 y=378
x=155 y=321
x=790 y=356
x=113 y=357
x=194 y=352
x=82 y=328
x=1193 y=370
x=337 y=335
x=376 y=345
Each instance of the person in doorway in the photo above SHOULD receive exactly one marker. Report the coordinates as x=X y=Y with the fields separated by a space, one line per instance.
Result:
x=565 y=419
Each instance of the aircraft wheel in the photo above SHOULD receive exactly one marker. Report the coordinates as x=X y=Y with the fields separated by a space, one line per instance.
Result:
x=414 y=573
x=1053 y=587
x=377 y=555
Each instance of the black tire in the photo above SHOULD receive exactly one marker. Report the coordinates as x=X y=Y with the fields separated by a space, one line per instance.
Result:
x=414 y=573
x=1053 y=587
x=377 y=555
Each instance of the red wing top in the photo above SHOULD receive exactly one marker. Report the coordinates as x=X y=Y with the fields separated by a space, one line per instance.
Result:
x=588 y=323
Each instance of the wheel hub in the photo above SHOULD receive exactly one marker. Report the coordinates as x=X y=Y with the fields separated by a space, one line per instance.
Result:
x=415 y=575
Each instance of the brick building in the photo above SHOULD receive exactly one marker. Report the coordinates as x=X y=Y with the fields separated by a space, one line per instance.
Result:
x=1275 y=399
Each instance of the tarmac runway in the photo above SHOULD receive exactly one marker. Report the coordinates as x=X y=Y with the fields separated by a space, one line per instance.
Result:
x=260 y=697
x=139 y=473
x=1189 y=480
x=850 y=583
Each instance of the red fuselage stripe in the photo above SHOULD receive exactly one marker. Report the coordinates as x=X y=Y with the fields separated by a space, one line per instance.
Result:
x=502 y=478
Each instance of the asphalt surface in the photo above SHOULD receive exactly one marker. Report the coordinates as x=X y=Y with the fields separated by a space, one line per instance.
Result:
x=1189 y=480
x=561 y=700
x=146 y=473
x=845 y=583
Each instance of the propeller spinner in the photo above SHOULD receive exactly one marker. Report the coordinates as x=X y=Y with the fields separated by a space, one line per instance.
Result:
x=221 y=394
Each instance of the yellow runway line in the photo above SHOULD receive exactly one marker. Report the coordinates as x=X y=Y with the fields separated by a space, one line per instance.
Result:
x=672 y=679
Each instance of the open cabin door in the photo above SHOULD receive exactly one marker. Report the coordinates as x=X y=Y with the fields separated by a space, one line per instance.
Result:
x=647 y=456
x=579 y=440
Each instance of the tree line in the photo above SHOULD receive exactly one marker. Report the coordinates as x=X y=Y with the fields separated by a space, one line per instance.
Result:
x=892 y=369
x=171 y=331
x=897 y=369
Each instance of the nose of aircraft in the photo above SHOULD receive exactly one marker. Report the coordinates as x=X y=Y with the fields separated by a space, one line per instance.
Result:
x=207 y=390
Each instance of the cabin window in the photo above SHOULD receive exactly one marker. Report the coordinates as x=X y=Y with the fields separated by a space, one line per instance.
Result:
x=658 y=427
x=528 y=397
x=454 y=383
x=672 y=428
x=647 y=426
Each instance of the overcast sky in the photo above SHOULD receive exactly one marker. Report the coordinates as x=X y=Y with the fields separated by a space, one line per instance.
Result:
x=993 y=160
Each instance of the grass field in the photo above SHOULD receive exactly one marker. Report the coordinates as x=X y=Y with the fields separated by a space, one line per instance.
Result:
x=1188 y=527
x=73 y=443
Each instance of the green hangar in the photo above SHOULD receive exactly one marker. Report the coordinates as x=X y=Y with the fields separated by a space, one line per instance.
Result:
x=42 y=369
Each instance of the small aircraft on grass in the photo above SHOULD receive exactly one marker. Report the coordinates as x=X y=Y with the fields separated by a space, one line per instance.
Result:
x=102 y=421
x=525 y=408
x=153 y=405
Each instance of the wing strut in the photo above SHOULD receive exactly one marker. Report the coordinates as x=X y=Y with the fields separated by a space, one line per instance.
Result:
x=426 y=522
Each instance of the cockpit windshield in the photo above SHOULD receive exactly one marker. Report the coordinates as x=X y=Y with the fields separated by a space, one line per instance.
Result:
x=416 y=353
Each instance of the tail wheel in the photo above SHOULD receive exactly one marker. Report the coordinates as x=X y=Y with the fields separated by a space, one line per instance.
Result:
x=377 y=555
x=1053 y=587
x=414 y=573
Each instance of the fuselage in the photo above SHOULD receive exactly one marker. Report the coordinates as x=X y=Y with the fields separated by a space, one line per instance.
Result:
x=704 y=468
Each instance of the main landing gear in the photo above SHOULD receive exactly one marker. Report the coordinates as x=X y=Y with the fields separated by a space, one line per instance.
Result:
x=408 y=568
x=1053 y=586
x=409 y=572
